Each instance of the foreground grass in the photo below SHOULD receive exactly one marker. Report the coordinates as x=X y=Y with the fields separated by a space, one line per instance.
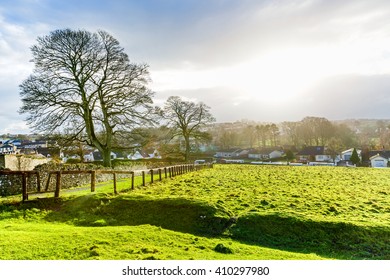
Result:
x=39 y=242
x=229 y=212
x=101 y=226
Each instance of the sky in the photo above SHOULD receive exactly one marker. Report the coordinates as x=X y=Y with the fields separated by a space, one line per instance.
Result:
x=260 y=60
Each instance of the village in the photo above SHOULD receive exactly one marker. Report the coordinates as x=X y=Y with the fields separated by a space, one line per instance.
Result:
x=17 y=154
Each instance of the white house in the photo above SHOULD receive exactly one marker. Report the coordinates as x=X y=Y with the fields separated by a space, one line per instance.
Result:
x=7 y=149
x=314 y=153
x=378 y=161
x=144 y=154
x=138 y=155
x=346 y=155
x=226 y=153
x=266 y=153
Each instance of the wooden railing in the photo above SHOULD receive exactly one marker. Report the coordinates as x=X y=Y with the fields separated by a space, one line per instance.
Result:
x=26 y=176
x=156 y=174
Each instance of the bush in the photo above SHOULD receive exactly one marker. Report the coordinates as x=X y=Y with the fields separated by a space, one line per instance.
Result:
x=73 y=161
x=220 y=248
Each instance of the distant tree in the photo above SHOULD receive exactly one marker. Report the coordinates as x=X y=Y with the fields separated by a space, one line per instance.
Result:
x=186 y=119
x=263 y=134
x=355 y=157
x=289 y=155
x=274 y=133
x=334 y=147
x=291 y=130
x=84 y=83
x=249 y=133
x=316 y=131
x=227 y=139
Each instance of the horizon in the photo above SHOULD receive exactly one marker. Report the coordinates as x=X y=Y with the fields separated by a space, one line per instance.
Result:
x=263 y=61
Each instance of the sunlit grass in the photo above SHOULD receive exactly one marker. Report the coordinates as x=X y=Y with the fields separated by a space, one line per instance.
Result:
x=257 y=212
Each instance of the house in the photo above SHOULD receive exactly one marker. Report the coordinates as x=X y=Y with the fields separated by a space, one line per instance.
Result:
x=144 y=154
x=313 y=153
x=15 y=142
x=266 y=153
x=97 y=156
x=34 y=145
x=379 y=161
x=232 y=153
x=346 y=155
x=88 y=157
x=379 y=158
x=7 y=149
x=153 y=153
x=229 y=153
x=139 y=154
x=382 y=153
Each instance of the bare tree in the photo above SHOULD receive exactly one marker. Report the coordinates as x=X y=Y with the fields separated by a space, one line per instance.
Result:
x=84 y=84
x=186 y=119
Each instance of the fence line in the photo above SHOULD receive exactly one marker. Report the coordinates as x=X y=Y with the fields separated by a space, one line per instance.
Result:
x=26 y=175
x=168 y=172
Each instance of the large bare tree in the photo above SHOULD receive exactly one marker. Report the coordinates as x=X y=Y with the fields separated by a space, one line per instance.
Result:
x=84 y=84
x=186 y=119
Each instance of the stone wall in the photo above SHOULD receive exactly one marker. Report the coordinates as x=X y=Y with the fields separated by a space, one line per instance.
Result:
x=22 y=162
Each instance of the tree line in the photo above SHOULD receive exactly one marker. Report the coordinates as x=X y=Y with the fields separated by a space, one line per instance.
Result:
x=310 y=131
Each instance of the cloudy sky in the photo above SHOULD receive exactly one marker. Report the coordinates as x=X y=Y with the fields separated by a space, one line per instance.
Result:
x=262 y=60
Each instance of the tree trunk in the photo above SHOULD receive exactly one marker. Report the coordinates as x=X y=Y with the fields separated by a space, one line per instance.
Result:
x=188 y=148
x=106 y=154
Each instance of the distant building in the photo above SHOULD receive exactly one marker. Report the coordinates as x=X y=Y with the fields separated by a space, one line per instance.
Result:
x=314 y=153
x=8 y=149
x=346 y=155
x=379 y=161
x=266 y=153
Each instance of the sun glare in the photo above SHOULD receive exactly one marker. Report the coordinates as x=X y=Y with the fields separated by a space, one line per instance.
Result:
x=281 y=76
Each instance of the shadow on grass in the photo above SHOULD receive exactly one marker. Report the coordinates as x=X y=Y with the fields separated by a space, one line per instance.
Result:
x=174 y=214
x=328 y=239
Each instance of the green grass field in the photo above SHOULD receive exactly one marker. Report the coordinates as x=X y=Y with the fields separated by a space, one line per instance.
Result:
x=228 y=212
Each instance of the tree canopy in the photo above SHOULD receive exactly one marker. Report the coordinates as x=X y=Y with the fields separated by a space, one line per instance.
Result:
x=84 y=84
x=186 y=119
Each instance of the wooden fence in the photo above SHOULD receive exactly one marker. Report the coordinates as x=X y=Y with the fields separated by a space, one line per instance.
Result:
x=26 y=176
x=156 y=174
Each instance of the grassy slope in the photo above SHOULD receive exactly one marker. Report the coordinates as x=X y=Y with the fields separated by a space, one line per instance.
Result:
x=259 y=212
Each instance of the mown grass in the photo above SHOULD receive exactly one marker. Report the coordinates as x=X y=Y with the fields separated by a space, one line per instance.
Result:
x=256 y=212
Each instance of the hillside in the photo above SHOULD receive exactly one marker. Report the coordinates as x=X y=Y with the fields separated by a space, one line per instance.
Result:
x=229 y=212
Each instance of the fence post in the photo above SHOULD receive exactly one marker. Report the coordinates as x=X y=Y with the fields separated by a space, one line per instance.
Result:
x=93 y=180
x=132 y=180
x=151 y=176
x=24 y=186
x=165 y=171
x=115 y=183
x=58 y=184
x=48 y=182
x=143 y=178
x=159 y=174
x=38 y=182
